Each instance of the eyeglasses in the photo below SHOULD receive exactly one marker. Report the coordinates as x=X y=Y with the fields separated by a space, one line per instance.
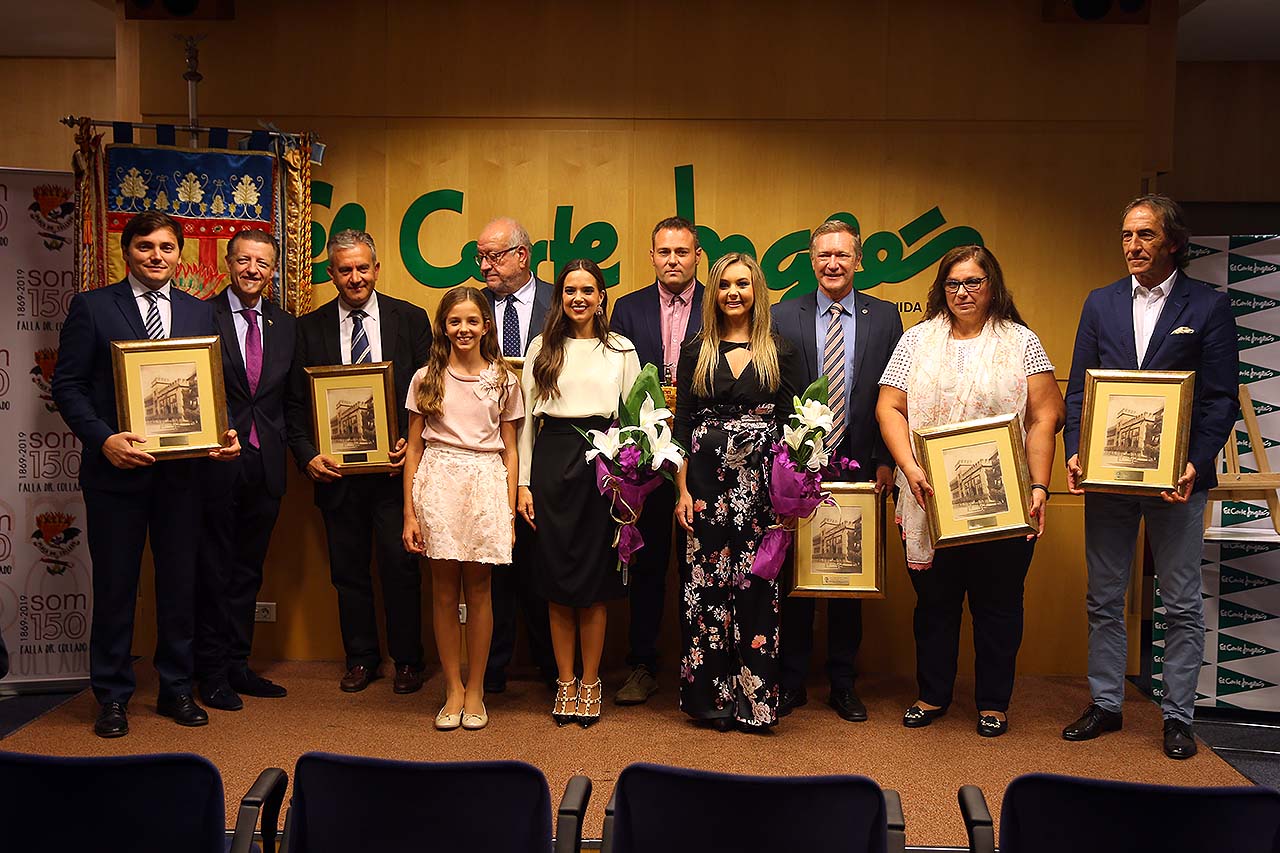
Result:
x=493 y=257
x=970 y=285
x=828 y=257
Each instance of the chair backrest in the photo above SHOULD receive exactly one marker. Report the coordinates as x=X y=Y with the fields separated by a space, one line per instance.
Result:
x=1046 y=813
x=345 y=803
x=140 y=803
x=662 y=809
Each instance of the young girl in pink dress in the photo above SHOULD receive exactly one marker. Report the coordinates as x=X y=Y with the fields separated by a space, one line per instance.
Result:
x=459 y=506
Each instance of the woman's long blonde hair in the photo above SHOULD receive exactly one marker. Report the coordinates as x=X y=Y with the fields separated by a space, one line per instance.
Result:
x=429 y=395
x=764 y=352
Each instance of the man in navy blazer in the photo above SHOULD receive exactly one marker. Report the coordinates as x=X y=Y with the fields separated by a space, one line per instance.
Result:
x=362 y=325
x=243 y=498
x=657 y=319
x=869 y=329
x=520 y=302
x=1157 y=318
x=127 y=497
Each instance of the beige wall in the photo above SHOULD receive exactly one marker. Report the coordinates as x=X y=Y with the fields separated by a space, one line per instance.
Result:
x=881 y=109
x=37 y=93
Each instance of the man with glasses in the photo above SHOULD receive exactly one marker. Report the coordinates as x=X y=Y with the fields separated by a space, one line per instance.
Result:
x=1156 y=318
x=657 y=319
x=363 y=511
x=242 y=499
x=520 y=301
x=847 y=336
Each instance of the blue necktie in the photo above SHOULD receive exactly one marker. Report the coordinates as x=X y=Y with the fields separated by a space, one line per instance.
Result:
x=360 y=353
x=510 y=328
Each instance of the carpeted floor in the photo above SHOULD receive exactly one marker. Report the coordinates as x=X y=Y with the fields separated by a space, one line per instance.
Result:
x=926 y=766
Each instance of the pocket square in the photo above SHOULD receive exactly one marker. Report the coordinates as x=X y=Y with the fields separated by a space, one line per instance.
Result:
x=1183 y=330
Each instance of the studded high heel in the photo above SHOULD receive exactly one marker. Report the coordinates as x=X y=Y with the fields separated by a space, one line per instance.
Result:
x=587 y=717
x=565 y=709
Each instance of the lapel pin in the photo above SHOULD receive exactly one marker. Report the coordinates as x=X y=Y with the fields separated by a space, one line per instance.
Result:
x=864 y=310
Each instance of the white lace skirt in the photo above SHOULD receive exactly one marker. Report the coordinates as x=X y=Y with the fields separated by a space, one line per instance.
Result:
x=460 y=497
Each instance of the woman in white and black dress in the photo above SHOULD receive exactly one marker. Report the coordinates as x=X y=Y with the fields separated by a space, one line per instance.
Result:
x=574 y=374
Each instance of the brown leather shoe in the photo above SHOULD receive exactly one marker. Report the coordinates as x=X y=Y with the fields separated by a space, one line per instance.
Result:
x=357 y=679
x=408 y=680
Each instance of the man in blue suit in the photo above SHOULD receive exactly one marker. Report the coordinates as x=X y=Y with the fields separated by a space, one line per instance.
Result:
x=1157 y=318
x=520 y=302
x=126 y=495
x=847 y=336
x=243 y=498
x=657 y=319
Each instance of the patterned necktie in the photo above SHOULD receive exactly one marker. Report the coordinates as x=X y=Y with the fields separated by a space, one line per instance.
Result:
x=510 y=328
x=360 y=353
x=155 y=327
x=252 y=363
x=833 y=367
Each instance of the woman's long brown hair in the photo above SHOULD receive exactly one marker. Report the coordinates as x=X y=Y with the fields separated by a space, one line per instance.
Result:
x=550 y=360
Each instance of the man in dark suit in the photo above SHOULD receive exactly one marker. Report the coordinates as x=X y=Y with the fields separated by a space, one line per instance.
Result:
x=126 y=495
x=657 y=319
x=848 y=336
x=243 y=498
x=1156 y=318
x=520 y=302
x=363 y=326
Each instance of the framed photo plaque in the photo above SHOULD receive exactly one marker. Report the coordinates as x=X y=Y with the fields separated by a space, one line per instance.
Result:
x=170 y=391
x=354 y=414
x=1134 y=429
x=839 y=552
x=978 y=470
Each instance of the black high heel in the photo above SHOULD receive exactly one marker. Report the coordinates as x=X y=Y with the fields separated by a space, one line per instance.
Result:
x=565 y=708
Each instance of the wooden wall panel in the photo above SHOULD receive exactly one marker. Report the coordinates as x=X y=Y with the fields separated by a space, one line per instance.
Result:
x=37 y=93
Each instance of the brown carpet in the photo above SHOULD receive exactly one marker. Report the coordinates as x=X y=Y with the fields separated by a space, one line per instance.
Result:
x=926 y=766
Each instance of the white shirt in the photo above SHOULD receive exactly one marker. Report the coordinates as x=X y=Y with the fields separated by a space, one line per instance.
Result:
x=371 y=324
x=524 y=311
x=1147 y=305
x=140 y=299
x=241 y=324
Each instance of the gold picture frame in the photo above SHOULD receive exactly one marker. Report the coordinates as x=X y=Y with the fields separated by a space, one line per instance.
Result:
x=1134 y=430
x=354 y=415
x=170 y=391
x=839 y=551
x=981 y=486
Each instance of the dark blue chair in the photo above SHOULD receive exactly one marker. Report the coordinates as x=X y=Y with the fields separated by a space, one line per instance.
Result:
x=139 y=803
x=1045 y=813
x=345 y=803
x=656 y=809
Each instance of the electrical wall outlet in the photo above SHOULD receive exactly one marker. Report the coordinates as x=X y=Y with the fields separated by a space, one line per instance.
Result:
x=462 y=614
x=264 y=611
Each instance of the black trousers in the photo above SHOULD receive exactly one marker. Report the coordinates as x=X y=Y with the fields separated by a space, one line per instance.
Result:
x=239 y=516
x=511 y=591
x=844 y=636
x=371 y=514
x=647 y=583
x=117 y=525
x=993 y=574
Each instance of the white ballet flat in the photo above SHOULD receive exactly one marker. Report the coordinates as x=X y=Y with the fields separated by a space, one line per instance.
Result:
x=473 y=722
x=448 y=722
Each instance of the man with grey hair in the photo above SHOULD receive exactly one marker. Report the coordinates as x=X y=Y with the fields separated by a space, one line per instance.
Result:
x=520 y=302
x=359 y=510
x=1155 y=318
x=849 y=337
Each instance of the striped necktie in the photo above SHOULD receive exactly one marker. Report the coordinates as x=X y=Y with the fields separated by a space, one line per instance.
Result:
x=155 y=327
x=833 y=364
x=360 y=353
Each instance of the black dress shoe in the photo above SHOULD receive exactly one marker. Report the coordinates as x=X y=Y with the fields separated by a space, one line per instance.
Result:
x=183 y=709
x=246 y=682
x=218 y=694
x=789 y=700
x=1093 y=722
x=917 y=717
x=113 y=720
x=989 y=725
x=357 y=678
x=722 y=724
x=408 y=680
x=847 y=704
x=1179 y=742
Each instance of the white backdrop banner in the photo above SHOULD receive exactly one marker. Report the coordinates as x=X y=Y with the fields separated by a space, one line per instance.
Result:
x=46 y=591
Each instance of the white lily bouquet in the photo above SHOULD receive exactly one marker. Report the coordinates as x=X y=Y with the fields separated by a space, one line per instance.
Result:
x=633 y=457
